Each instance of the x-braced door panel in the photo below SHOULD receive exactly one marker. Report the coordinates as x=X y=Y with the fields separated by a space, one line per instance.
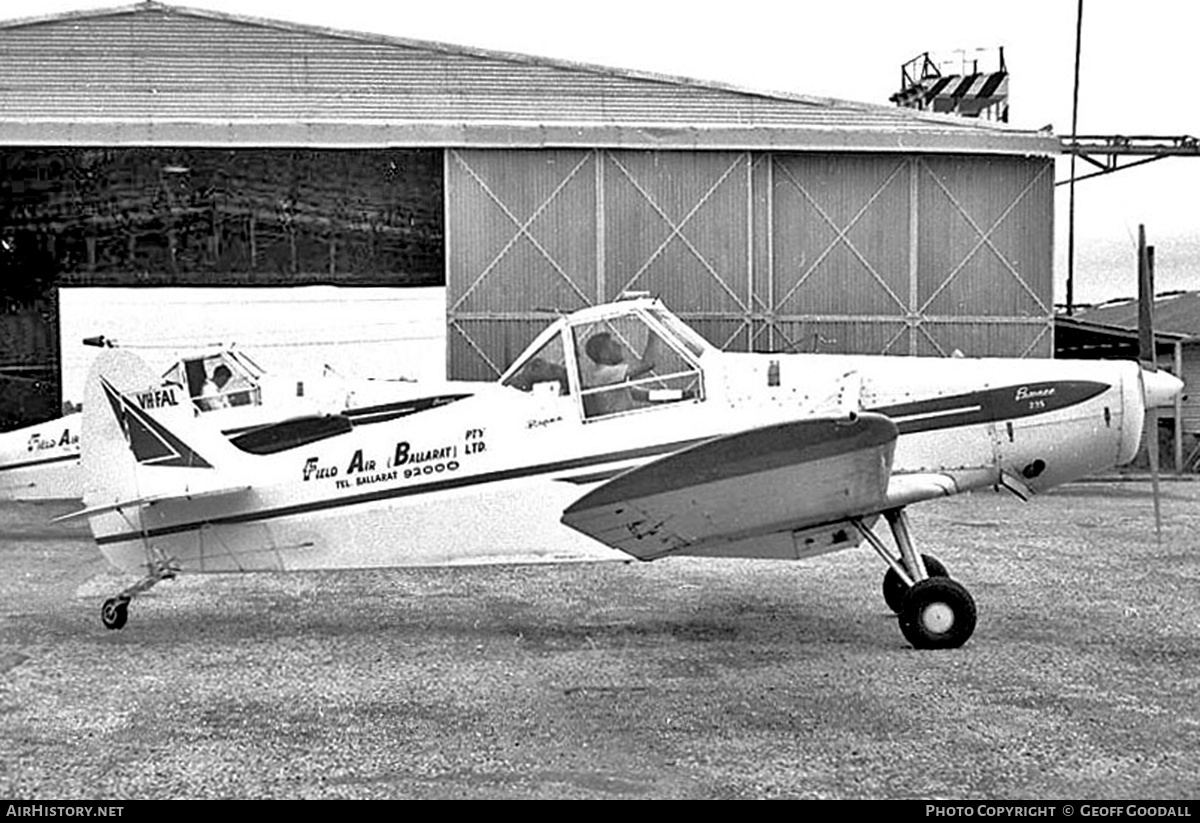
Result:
x=522 y=243
x=839 y=265
x=524 y=229
x=677 y=226
x=986 y=270
x=972 y=237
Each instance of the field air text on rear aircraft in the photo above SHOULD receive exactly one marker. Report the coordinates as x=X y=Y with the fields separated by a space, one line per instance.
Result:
x=38 y=443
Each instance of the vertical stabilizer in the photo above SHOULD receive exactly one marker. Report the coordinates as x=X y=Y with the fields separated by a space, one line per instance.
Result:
x=140 y=437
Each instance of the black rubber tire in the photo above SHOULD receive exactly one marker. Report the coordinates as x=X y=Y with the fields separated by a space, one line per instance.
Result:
x=938 y=613
x=114 y=612
x=894 y=588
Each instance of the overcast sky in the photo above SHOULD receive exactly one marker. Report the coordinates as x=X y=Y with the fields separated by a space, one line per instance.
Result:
x=1138 y=63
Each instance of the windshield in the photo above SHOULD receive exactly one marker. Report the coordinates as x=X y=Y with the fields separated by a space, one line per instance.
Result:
x=626 y=364
x=547 y=365
x=688 y=337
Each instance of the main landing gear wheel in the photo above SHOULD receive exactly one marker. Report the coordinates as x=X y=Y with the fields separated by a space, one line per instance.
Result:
x=937 y=613
x=894 y=588
x=114 y=612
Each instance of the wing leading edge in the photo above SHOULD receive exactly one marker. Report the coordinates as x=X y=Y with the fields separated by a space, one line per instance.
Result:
x=800 y=478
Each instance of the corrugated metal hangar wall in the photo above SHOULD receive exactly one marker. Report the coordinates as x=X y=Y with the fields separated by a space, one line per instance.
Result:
x=873 y=253
x=150 y=145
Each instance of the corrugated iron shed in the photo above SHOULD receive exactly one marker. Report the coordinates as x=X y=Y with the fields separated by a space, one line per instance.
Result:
x=1177 y=313
x=1078 y=337
x=1110 y=330
x=152 y=74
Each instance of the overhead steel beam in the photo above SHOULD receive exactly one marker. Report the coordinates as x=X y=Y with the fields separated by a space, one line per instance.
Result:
x=1110 y=153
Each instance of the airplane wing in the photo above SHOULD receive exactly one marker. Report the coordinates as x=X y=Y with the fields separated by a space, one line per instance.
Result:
x=800 y=477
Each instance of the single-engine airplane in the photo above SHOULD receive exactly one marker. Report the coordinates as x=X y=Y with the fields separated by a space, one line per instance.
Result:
x=41 y=461
x=619 y=433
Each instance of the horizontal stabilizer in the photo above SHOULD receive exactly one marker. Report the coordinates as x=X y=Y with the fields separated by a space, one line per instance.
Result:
x=777 y=478
x=151 y=500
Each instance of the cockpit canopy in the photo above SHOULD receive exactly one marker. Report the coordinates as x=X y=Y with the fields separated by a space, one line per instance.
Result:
x=617 y=358
x=218 y=380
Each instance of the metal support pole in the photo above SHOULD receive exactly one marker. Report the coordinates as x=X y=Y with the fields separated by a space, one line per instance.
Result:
x=1074 y=131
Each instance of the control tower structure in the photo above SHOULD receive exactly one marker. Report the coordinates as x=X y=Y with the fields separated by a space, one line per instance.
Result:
x=957 y=86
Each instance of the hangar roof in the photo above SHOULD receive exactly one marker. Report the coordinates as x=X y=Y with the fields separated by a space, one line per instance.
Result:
x=153 y=74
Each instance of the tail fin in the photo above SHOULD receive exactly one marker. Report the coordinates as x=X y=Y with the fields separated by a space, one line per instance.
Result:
x=140 y=438
x=151 y=442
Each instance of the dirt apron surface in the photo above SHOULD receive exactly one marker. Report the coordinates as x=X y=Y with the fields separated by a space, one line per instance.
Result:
x=675 y=679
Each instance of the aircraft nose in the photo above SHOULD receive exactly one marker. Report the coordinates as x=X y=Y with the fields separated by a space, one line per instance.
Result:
x=1160 y=388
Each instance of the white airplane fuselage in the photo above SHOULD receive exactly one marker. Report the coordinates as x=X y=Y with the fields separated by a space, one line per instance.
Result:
x=486 y=478
x=41 y=462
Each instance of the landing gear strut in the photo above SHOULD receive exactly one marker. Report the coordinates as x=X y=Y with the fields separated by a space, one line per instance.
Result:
x=935 y=612
x=115 y=611
x=894 y=588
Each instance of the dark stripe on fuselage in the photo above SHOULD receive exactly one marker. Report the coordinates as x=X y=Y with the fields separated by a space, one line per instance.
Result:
x=391 y=411
x=45 y=462
x=368 y=415
x=953 y=411
x=990 y=405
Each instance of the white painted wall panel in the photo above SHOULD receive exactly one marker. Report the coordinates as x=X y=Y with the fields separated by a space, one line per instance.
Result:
x=369 y=332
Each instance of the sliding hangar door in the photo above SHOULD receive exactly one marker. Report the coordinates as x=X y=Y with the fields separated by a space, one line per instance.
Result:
x=865 y=253
x=836 y=252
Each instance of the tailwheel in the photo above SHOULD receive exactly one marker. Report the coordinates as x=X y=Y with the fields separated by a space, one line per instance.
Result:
x=894 y=588
x=115 y=612
x=937 y=613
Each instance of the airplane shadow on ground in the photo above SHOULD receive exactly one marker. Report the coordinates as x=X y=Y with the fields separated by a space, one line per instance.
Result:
x=253 y=607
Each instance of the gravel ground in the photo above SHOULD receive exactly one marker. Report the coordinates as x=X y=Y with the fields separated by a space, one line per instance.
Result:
x=677 y=679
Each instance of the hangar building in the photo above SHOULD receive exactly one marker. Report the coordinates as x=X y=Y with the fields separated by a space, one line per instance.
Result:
x=154 y=146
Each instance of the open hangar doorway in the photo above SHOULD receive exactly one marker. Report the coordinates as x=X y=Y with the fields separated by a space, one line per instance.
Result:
x=179 y=247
